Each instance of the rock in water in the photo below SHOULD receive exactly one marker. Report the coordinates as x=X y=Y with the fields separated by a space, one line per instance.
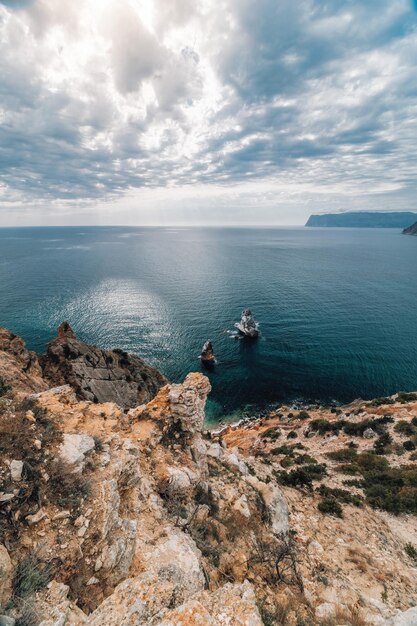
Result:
x=207 y=355
x=247 y=325
x=99 y=375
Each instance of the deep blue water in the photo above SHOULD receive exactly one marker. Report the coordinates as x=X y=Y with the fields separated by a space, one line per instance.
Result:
x=337 y=308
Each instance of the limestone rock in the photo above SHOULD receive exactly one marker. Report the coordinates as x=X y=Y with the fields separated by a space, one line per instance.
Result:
x=172 y=573
x=247 y=325
x=188 y=400
x=53 y=608
x=74 y=447
x=275 y=502
x=405 y=618
x=6 y=575
x=99 y=375
x=231 y=605
x=369 y=433
x=16 y=469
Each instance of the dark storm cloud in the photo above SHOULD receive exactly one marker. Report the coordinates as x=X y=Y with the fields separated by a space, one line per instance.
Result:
x=96 y=102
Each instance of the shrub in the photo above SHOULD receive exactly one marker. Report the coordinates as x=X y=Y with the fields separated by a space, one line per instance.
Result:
x=405 y=428
x=330 y=506
x=344 y=454
x=4 y=387
x=272 y=433
x=411 y=551
x=341 y=495
x=382 y=442
x=31 y=575
x=409 y=445
x=302 y=476
x=292 y=435
x=381 y=401
x=66 y=488
x=414 y=421
x=323 y=426
x=287 y=449
x=303 y=415
x=205 y=495
x=304 y=459
x=404 y=397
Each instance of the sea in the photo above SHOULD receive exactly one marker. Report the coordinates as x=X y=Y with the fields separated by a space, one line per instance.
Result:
x=337 y=308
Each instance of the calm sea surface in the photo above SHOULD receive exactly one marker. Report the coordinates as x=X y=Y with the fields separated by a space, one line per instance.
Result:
x=337 y=308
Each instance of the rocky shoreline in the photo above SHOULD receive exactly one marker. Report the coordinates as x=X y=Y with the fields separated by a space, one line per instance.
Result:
x=118 y=507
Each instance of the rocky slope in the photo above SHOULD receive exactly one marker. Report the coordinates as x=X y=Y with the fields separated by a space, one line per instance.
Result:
x=411 y=230
x=143 y=518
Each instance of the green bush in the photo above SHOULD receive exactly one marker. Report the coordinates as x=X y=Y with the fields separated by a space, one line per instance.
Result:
x=404 y=397
x=4 y=388
x=66 y=488
x=344 y=454
x=303 y=415
x=382 y=442
x=381 y=401
x=330 y=506
x=411 y=551
x=405 y=428
x=341 y=495
x=409 y=445
x=31 y=575
x=292 y=435
x=302 y=476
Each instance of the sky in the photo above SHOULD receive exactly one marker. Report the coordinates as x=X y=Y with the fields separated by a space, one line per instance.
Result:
x=205 y=111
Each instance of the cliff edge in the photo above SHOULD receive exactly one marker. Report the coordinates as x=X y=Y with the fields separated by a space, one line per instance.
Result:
x=143 y=518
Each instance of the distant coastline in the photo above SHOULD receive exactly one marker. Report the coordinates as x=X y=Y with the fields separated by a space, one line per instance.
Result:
x=363 y=219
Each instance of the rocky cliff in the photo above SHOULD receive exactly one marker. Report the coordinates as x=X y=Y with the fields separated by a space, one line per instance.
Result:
x=362 y=219
x=99 y=375
x=142 y=517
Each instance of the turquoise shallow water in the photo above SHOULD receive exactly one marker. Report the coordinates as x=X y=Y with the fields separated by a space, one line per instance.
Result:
x=337 y=308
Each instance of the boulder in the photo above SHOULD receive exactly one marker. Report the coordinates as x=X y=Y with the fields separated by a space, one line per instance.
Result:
x=74 y=447
x=369 y=433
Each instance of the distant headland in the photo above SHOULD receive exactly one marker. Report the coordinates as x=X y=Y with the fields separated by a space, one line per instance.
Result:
x=363 y=219
x=411 y=230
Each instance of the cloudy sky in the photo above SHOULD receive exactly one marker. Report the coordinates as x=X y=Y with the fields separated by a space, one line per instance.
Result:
x=205 y=111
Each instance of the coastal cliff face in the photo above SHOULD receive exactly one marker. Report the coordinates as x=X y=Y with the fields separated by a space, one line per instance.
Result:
x=99 y=375
x=411 y=230
x=143 y=518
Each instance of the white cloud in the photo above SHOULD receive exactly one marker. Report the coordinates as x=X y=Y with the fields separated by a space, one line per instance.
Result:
x=213 y=103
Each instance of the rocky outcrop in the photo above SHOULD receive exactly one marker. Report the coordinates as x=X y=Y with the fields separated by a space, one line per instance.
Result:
x=99 y=375
x=19 y=368
x=207 y=354
x=247 y=325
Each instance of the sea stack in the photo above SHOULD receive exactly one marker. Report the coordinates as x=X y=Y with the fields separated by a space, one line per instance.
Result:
x=207 y=355
x=247 y=325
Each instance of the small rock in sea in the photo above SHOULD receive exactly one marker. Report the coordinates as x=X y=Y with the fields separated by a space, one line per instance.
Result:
x=247 y=325
x=207 y=355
